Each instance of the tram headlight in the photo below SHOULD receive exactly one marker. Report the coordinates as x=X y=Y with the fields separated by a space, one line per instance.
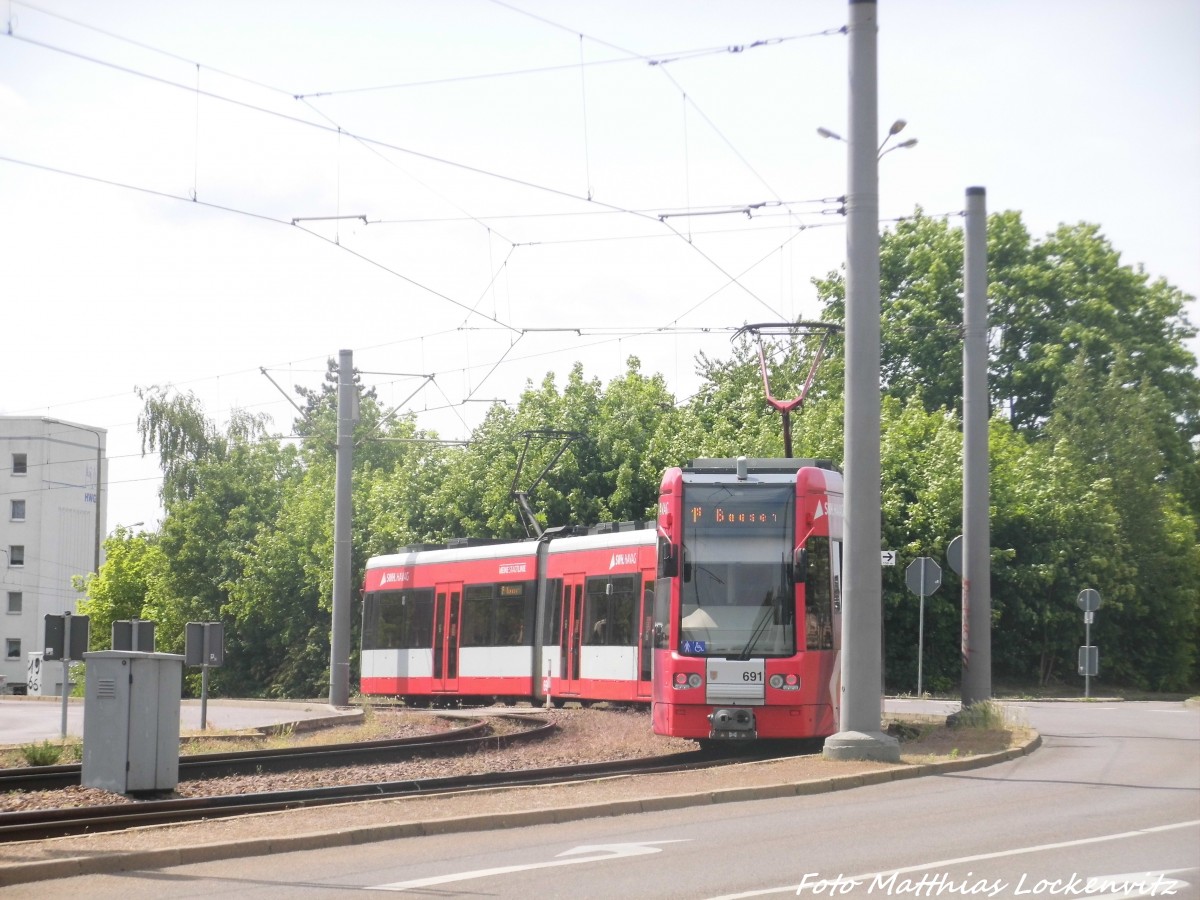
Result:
x=683 y=681
x=789 y=682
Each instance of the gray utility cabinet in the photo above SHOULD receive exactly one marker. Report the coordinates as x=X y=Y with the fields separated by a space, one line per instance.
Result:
x=131 y=721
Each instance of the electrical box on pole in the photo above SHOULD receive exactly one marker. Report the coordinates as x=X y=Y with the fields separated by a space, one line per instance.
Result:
x=133 y=634
x=66 y=639
x=205 y=647
x=1089 y=661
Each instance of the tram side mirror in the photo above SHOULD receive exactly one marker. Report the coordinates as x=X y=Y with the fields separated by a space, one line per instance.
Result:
x=799 y=565
x=668 y=560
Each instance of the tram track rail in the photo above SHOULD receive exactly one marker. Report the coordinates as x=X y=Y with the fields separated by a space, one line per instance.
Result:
x=51 y=823
x=201 y=766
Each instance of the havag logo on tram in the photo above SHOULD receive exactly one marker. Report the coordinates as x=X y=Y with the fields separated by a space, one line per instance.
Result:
x=623 y=559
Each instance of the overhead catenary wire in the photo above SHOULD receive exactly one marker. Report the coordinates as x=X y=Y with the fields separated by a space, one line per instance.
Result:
x=508 y=356
x=378 y=143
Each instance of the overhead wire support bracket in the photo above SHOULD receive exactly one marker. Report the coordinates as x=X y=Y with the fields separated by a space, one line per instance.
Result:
x=298 y=219
x=792 y=330
x=295 y=406
x=747 y=210
x=386 y=417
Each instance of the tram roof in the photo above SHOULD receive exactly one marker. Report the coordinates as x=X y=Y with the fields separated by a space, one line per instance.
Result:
x=758 y=466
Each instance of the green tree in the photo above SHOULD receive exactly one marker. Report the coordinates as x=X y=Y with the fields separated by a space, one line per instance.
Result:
x=610 y=471
x=921 y=503
x=133 y=568
x=219 y=489
x=1106 y=424
x=1051 y=302
x=1053 y=529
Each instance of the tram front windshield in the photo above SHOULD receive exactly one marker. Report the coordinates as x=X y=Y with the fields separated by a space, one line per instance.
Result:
x=737 y=597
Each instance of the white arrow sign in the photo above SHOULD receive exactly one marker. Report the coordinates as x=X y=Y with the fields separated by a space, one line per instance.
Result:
x=887 y=557
x=584 y=854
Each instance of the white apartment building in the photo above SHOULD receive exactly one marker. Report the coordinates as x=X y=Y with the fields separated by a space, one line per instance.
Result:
x=53 y=492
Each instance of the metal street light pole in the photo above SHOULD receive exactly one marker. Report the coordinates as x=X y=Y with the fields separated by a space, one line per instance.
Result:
x=339 y=651
x=860 y=733
x=976 y=580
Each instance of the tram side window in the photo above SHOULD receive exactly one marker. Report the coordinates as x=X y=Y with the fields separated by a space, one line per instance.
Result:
x=611 y=611
x=478 y=626
x=552 y=622
x=370 y=622
x=662 y=613
x=497 y=615
x=818 y=596
x=625 y=596
x=401 y=620
x=514 y=615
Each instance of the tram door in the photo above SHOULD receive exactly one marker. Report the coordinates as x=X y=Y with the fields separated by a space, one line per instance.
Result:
x=646 y=636
x=571 y=639
x=446 y=610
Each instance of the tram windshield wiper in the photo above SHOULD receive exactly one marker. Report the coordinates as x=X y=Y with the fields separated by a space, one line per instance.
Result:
x=769 y=605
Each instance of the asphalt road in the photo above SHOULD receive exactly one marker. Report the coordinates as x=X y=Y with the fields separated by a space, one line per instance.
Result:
x=1108 y=807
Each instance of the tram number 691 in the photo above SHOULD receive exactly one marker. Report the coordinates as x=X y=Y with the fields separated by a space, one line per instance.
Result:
x=752 y=676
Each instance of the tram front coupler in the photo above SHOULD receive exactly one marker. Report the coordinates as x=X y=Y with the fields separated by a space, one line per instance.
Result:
x=732 y=724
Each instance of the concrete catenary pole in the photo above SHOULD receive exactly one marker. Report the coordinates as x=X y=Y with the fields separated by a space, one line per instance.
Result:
x=977 y=567
x=339 y=656
x=861 y=695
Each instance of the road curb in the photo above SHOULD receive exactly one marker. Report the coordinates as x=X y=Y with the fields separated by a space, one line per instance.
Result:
x=40 y=870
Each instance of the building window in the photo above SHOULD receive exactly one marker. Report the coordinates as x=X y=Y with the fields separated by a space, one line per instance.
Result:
x=12 y=648
x=20 y=464
x=17 y=511
x=16 y=555
x=14 y=601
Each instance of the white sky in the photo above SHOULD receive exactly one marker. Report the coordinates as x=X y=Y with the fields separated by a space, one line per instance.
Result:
x=1066 y=110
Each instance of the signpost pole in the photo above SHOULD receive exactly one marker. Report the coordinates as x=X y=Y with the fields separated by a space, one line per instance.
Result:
x=1088 y=601
x=66 y=661
x=921 y=637
x=204 y=679
x=1087 y=668
x=923 y=576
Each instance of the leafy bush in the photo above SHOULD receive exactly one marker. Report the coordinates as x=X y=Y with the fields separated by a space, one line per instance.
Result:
x=43 y=754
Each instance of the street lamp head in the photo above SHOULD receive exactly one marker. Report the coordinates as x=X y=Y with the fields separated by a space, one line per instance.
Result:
x=897 y=126
x=826 y=133
x=903 y=145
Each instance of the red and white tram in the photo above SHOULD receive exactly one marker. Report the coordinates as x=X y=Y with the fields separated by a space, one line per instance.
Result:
x=568 y=614
x=726 y=617
x=748 y=616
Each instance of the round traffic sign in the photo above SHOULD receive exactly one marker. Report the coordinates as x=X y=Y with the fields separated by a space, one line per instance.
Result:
x=1089 y=600
x=954 y=554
